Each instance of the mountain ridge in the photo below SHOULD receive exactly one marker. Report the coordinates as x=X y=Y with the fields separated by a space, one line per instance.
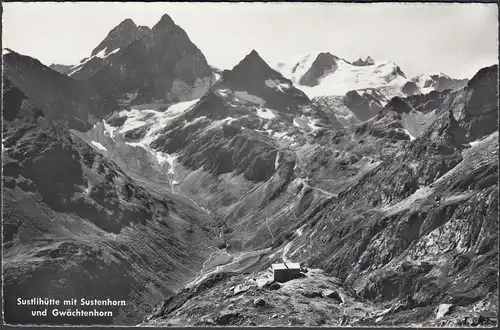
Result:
x=183 y=188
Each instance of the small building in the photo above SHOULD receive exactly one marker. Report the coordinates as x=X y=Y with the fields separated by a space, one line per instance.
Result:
x=286 y=271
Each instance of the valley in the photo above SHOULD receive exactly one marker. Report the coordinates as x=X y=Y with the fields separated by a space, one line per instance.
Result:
x=143 y=174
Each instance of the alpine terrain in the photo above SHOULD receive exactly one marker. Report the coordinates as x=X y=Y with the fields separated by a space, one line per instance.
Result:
x=147 y=175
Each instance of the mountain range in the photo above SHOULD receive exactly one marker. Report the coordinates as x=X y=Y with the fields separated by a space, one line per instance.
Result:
x=145 y=174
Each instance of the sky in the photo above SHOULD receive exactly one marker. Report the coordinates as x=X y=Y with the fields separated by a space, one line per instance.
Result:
x=455 y=38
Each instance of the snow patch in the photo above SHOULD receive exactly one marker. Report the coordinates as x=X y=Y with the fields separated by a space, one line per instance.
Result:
x=181 y=107
x=265 y=113
x=407 y=203
x=220 y=123
x=443 y=309
x=408 y=133
x=109 y=130
x=249 y=97
x=194 y=121
x=478 y=142
x=300 y=231
x=223 y=92
x=87 y=189
x=102 y=53
x=99 y=146
x=113 y=52
x=306 y=123
x=163 y=158
x=277 y=84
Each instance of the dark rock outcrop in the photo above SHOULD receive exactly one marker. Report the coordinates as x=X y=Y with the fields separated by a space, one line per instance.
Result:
x=61 y=68
x=324 y=63
x=58 y=96
x=162 y=66
x=410 y=88
x=364 y=104
x=115 y=42
x=366 y=62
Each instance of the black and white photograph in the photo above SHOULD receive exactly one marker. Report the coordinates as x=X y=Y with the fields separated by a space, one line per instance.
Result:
x=250 y=164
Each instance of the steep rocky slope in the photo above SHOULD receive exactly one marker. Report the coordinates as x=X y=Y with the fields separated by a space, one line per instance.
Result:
x=132 y=65
x=192 y=181
x=162 y=65
x=403 y=228
x=61 y=68
x=60 y=97
x=75 y=225
x=234 y=133
x=116 y=41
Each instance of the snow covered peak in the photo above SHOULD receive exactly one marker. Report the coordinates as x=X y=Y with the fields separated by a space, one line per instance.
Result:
x=428 y=77
x=339 y=76
x=296 y=68
x=438 y=81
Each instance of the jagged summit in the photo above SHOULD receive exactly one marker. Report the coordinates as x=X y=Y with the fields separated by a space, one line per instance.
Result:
x=253 y=53
x=438 y=81
x=165 y=22
x=128 y=22
x=6 y=51
x=251 y=67
x=120 y=36
x=489 y=71
x=253 y=58
x=366 y=62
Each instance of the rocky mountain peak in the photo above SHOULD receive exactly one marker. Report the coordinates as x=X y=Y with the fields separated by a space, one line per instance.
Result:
x=165 y=22
x=366 y=62
x=485 y=77
x=125 y=24
x=437 y=81
x=324 y=63
x=120 y=36
x=252 y=65
x=252 y=59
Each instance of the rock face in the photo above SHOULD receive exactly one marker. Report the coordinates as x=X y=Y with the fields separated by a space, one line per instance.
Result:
x=406 y=221
x=61 y=68
x=58 y=96
x=324 y=63
x=132 y=65
x=88 y=231
x=438 y=82
x=116 y=41
x=366 y=62
x=121 y=36
x=387 y=198
x=162 y=66
x=219 y=132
